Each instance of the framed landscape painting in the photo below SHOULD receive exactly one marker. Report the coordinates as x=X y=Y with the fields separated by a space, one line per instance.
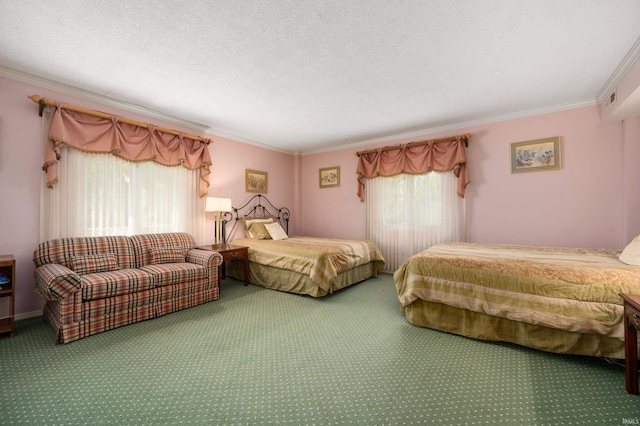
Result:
x=535 y=155
x=330 y=177
x=255 y=181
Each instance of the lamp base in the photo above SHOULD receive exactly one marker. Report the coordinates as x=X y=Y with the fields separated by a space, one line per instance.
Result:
x=218 y=233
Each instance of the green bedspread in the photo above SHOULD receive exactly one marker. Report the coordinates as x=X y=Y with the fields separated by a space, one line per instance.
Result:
x=569 y=289
x=322 y=259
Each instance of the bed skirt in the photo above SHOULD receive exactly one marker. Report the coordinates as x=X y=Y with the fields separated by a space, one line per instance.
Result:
x=486 y=327
x=294 y=282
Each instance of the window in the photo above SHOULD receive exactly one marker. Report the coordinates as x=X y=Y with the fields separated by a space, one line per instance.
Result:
x=101 y=194
x=409 y=213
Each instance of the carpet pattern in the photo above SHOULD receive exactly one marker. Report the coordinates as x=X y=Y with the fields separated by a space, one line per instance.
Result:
x=262 y=357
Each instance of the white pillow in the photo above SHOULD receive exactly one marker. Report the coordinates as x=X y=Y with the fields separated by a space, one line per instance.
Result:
x=631 y=253
x=275 y=230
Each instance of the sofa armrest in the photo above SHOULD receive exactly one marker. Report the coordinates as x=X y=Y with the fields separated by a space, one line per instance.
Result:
x=56 y=282
x=210 y=259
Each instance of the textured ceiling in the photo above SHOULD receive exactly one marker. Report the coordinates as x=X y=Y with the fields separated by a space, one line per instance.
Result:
x=305 y=75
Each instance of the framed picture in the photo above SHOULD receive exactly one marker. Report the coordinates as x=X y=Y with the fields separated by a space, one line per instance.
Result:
x=330 y=177
x=255 y=181
x=535 y=155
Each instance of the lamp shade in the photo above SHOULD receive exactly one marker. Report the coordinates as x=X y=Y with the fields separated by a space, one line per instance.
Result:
x=215 y=204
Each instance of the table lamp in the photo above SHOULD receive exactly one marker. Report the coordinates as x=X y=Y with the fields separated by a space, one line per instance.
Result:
x=218 y=206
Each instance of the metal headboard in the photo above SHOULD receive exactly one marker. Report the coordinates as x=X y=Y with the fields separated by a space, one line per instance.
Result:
x=257 y=206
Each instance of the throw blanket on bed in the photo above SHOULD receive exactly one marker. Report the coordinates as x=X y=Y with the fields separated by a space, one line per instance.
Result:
x=322 y=259
x=570 y=289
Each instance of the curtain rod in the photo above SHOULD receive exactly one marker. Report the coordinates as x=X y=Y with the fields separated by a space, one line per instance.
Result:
x=44 y=101
x=464 y=138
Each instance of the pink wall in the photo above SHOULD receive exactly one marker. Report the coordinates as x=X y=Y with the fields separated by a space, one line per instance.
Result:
x=631 y=177
x=20 y=162
x=229 y=161
x=579 y=205
x=20 y=173
x=593 y=201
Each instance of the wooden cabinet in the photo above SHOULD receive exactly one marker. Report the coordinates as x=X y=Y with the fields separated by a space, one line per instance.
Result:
x=7 y=289
x=631 y=327
x=230 y=253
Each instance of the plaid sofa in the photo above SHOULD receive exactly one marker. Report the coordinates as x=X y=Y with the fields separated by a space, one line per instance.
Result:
x=94 y=284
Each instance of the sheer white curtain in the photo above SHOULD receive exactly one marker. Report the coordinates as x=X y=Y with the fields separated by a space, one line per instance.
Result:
x=409 y=213
x=101 y=194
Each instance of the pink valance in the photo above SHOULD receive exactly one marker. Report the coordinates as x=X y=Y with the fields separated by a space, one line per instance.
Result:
x=417 y=158
x=99 y=134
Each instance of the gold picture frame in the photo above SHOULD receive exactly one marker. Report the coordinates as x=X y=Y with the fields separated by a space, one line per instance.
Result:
x=329 y=177
x=256 y=181
x=535 y=155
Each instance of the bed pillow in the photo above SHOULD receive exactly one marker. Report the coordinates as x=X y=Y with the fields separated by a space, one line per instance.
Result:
x=258 y=231
x=167 y=255
x=275 y=230
x=631 y=253
x=249 y=220
x=94 y=263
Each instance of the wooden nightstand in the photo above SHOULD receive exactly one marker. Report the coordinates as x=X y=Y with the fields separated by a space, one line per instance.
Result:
x=230 y=253
x=8 y=269
x=631 y=327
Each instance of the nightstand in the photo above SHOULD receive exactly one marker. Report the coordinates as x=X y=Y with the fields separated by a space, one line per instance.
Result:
x=230 y=253
x=631 y=327
x=8 y=289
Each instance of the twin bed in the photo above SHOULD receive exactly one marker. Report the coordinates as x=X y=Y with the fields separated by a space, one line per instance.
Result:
x=303 y=265
x=560 y=300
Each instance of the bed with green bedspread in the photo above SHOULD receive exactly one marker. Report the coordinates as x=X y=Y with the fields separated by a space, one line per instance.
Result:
x=563 y=300
x=308 y=265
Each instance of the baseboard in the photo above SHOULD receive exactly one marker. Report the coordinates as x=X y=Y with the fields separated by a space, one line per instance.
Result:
x=27 y=315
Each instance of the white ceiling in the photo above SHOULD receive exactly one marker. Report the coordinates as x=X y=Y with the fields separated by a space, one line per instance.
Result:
x=310 y=75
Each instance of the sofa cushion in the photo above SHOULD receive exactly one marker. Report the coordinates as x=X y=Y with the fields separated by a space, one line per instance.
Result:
x=61 y=250
x=175 y=273
x=93 y=263
x=143 y=243
x=114 y=283
x=167 y=255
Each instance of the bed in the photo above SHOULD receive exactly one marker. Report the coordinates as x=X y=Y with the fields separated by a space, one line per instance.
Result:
x=563 y=300
x=296 y=264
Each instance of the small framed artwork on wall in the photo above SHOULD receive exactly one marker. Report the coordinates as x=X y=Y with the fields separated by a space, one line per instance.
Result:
x=535 y=155
x=255 y=181
x=330 y=177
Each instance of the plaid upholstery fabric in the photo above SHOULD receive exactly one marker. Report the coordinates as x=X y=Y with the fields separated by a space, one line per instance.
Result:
x=115 y=283
x=142 y=243
x=210 y=259
x=167 y=255
x=79 y=305
x=175 y=273
x=64 y=317
x=107 y=314
x=63 y=249
x=93 y=263
x=140 y=303
x=55 y=281
x=176 y=297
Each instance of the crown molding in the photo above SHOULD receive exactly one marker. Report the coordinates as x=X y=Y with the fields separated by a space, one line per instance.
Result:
x=94 y=97
x=235 y=138
x=91 y=96
x=453 y=127
x=620 y=71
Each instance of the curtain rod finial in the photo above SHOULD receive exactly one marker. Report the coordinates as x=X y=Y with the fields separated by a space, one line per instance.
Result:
x=40 y=101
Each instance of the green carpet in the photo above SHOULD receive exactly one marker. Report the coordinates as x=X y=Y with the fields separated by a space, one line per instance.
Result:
x=261 y=357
